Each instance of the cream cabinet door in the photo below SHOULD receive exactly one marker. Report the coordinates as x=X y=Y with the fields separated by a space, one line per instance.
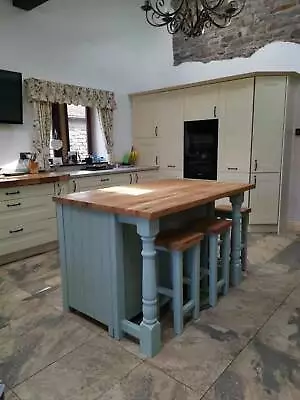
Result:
x=264 y=199
x=268 y=123
x=235 y=125
x=201 y=102
x=170 y=174
x=234 y=177
x=147 y=150
x=144 y=111
x=170 y=130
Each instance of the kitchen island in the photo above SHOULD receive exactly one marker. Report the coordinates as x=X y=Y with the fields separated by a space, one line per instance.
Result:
x=107 y=246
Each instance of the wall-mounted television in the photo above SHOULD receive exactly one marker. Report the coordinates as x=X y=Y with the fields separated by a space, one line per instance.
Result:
x=11 y=97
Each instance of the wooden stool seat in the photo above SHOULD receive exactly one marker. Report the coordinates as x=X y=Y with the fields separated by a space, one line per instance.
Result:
x=215 y=225
x=179 y=240
x=228 y=208
x=176 y=242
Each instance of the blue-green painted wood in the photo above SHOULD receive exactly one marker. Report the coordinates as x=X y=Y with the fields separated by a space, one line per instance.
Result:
x=236 y=270
x=225 y=245
x=213 y=270
x=150 y=333
x=89 y=243
x=177 y=281
x=195 y=279
x=245 y=226
x=62 y=256
x=131 y=328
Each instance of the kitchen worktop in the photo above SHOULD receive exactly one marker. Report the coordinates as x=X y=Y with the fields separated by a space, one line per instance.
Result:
x=155 y=199
x=32 y=179
x=57 y=176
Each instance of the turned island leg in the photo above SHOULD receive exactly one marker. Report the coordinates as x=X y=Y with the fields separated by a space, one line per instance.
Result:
x=150 y=336
x=236 y=245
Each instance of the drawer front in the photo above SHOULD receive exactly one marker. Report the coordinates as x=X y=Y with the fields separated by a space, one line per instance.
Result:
x=26 y=210
x=92 y=183
x=26 y=236
x=21 y=192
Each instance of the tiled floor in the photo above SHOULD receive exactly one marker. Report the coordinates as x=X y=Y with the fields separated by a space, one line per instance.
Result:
x=247 y=348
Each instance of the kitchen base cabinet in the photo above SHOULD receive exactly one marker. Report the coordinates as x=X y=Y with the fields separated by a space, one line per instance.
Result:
x=264 y=199
x=170 y=173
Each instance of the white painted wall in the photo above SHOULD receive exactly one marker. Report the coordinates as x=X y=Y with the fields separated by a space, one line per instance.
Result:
x=106 y=44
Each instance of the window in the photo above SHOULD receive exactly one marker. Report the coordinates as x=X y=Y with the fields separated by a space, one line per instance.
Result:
x=80 y=130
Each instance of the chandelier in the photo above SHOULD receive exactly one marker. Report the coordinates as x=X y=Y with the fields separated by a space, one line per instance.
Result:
x=191 y=17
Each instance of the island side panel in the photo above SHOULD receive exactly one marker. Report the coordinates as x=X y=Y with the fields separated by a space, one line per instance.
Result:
x=88 y=238
x=62 y=255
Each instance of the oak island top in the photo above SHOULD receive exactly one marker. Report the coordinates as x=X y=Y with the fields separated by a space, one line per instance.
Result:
x=152 y=200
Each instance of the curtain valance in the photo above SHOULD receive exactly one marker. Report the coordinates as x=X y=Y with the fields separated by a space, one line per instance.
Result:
x=47 y=91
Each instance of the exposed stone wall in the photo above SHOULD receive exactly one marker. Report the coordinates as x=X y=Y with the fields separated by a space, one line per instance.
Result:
x=261 y=22
x=77 y=130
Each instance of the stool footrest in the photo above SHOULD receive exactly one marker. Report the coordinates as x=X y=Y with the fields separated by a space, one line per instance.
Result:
x=212 y=226
x=188 y=306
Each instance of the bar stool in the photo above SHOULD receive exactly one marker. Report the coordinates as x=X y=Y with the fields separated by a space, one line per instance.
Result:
x=225 y=211
x=176 y=242
x=213 y=229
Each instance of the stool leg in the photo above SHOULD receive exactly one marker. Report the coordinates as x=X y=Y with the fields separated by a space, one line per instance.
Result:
x=225 y=260
x=213 y=270
x=245 y=224
x=195 y=286
x=177 y=278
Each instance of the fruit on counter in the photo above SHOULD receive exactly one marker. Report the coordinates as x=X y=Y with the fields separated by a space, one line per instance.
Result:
x=133 y=155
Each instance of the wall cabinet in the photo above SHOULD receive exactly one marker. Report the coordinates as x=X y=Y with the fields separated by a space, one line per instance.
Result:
x=201 y=102
x=147 y=150
x=144 y=111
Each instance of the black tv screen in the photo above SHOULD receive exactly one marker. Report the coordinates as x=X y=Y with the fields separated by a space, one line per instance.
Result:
x=11 y=98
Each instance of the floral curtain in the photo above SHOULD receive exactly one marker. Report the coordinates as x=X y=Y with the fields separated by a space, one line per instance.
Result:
x=106 y=121
x=46 y=92
x=42 y=120
x=53 y=92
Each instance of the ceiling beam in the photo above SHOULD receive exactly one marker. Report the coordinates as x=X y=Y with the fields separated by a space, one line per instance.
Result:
x=28 y=4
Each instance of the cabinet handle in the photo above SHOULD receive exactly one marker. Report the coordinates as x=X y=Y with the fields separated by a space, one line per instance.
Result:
x=137 y=178
x=105 y=180
x=171 y=166
x=16 y=230
x=232 y=169
x=11 y=193
x=156 y=160
x=215 y=111
x=255 y=165
x=13 y=205
x=74 y=186
x=156 y=131
x=130 y=179
x=255 y=179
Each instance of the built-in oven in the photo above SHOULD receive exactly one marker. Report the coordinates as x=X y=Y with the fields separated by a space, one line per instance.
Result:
x=201 y=149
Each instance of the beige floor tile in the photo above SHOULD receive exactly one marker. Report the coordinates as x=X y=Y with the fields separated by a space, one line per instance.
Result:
x=49 y=336
x=197 y=357
x=84 y=374
x=146 y=382
x=11 y=396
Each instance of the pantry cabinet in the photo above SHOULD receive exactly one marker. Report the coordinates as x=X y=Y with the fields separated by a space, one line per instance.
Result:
x=235 y=125
x=256 y=117
x=269 y=123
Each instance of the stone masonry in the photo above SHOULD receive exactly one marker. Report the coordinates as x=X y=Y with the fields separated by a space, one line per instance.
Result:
x=261 y=22
x=77 y=130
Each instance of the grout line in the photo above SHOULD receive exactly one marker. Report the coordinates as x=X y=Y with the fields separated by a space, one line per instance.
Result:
x=250 y=340
x=51 y=363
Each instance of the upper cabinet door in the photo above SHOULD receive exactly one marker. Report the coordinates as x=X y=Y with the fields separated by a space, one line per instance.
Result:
x=201 y=102
x=268 y=123
x=235 y=125
x=170 y=130
x=144 y=110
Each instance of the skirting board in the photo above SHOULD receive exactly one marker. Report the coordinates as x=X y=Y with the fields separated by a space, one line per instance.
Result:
x=33 y=251
x=293 y=226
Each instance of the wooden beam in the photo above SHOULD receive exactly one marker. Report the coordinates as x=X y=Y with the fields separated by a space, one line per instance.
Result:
x=28 y=5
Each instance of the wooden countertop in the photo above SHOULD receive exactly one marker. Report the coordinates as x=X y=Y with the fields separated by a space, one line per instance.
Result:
x=32 y=179
x=155 y=199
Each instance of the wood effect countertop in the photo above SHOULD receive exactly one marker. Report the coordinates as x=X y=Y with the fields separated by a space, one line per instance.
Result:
x=32 y=179
x=154 y=199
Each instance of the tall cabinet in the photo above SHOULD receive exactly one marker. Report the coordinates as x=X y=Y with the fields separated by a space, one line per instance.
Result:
x=255 y=114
